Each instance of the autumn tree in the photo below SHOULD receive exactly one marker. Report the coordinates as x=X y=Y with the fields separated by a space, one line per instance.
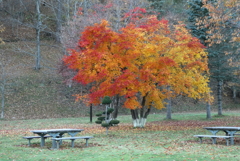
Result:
x=87 y=14
x=139 y=62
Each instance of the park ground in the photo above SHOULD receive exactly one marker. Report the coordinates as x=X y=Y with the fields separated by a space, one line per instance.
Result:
x=160 y=140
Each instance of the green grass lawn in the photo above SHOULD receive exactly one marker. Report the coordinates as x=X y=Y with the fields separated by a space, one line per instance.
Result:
x=160 y=140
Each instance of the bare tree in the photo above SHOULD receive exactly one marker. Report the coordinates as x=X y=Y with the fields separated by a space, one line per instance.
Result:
x=3 y=84
x=38 y=31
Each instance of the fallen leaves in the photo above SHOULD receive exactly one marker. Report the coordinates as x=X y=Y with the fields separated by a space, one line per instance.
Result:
x=91 y=129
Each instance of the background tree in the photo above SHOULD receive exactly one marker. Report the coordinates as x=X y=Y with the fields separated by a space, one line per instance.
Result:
x=222 y=46
x=137 y=62
x=196 y=12
x=157 y=5
x=3 y=84
x=3 y=79
x=169 y=8
x=88 y=13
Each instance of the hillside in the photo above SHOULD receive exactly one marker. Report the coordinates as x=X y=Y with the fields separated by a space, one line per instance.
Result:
x=31 y=94
x=35 y=94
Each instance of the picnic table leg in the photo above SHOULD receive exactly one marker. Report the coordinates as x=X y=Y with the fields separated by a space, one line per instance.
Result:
x=214 y=140
x=227 y=141
x=72 y=133
x=231 y=133
x=42 y=144
x=54 y=135
x=29 y=141
x=57 y=142
x=72 y=142
x=214 y=132
x=86 y=141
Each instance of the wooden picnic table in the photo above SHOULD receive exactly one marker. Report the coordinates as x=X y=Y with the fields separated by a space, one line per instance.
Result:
x=55 y=133
x=230 y=131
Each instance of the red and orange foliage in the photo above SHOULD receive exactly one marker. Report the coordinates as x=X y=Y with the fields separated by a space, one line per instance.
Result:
x=142 y=59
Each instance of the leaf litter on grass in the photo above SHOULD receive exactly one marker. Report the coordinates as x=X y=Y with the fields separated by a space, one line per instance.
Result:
x=158 y=138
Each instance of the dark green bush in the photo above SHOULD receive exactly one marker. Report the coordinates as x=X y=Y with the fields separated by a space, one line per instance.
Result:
x=98 y=122
x=114 y=122
x=105 y=124
x=106 y=100
x=99 y=114
x=101 y=118
x=110 y=110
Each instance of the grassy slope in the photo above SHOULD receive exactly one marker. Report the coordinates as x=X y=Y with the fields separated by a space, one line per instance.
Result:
x=36 y=94
x=43 y=94
x=160 y=140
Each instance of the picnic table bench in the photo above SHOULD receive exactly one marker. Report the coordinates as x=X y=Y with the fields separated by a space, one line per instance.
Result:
x=214 y=138
x=57 y=136
x=34 y=137
x=229 y=131
x=72 y=140
x=55 y=133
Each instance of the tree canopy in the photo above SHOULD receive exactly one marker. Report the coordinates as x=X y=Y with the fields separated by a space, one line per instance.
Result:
x=140 y=60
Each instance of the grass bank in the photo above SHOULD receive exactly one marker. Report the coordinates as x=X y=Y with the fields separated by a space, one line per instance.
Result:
x=160 y=140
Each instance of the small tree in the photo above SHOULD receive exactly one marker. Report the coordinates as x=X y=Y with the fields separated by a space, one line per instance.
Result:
x=104 y=118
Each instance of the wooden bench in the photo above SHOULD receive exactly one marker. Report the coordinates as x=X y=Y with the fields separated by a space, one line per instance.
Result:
x=72 y=140
x=214 y=137
x=33 y=137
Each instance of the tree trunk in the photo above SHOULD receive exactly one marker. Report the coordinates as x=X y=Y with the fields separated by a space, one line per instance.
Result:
x=135 y=118
x=118 y=15
x=169 y=109
x=3 y=100
x=3 y=89
x=234 y=93
x=116 y=107
x=91 y=115
x=59 y=21
x=169 y=106
x=140 y=121
x=219 y=95
x=208 y=110
x=38 y=30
